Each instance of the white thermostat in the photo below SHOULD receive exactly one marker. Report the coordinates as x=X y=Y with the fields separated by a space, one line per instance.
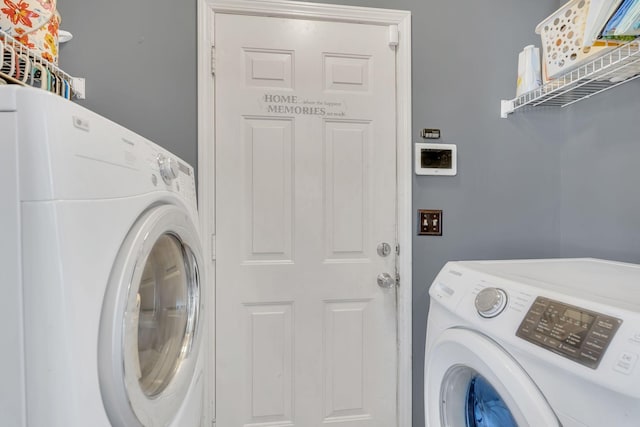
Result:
x=436 y=159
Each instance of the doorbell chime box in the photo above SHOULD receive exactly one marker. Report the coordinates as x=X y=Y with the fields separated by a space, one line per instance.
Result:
x=436 y=159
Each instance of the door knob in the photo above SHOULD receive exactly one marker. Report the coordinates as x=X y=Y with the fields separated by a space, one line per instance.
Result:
x=386 y=281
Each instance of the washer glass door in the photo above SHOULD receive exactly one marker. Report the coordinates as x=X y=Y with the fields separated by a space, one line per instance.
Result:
x=161 y=312
x=150 y=329
x=485 y=407
x=479 y=403
x=470 y=381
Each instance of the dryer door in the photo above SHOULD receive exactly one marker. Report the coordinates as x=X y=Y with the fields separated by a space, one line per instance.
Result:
x=470 y=381
x=150 y=331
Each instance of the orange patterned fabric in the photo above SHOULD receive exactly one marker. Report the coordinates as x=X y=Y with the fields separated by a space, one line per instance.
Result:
x=34 y=23
x=19 y=13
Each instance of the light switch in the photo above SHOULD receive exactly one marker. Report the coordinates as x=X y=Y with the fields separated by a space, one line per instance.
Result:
x=429 y=222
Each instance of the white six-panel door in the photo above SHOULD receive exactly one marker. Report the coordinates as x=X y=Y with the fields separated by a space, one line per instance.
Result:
x=305 y=193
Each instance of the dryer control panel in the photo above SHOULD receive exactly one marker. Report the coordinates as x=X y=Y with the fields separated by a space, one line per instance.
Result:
x=573 y=332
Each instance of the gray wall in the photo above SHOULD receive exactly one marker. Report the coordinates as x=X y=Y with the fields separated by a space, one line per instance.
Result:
x=542 y=184
x=600 y=213
x=139 y=59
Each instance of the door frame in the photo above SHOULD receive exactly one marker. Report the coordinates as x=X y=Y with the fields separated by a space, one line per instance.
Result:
x=206 y=155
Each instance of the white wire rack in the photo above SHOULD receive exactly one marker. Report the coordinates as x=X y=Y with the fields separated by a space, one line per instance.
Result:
x=605 y=72
x=23 y=66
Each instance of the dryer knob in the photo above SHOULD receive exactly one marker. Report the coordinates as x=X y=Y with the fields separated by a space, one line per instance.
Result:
x=168 y=168
x=490 y=302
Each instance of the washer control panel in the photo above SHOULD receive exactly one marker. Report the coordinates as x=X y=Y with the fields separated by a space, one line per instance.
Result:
x=573 y=332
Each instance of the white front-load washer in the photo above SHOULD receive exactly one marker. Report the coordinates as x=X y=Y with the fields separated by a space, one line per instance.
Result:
x=539 y=343
x=103 y=307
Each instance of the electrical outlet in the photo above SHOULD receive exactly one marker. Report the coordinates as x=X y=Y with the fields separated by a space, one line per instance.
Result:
x=429 y=222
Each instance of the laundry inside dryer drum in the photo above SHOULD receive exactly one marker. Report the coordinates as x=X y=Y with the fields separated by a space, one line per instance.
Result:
x=485 y=407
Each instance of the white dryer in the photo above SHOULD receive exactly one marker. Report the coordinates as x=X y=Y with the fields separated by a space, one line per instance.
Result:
x=540 y=343
x=102 y=312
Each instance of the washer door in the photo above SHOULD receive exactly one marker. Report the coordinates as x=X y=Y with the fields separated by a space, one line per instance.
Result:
x=470 y=381
x=150 y=329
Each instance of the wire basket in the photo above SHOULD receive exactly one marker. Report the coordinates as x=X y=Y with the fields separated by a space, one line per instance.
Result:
x=562 y=36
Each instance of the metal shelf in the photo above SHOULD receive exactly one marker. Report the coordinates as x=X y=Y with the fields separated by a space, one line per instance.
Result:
x=23 y=66
x=605 y=72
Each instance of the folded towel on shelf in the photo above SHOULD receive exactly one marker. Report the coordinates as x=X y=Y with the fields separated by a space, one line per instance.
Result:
x=599 y=13
x=625 y=22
